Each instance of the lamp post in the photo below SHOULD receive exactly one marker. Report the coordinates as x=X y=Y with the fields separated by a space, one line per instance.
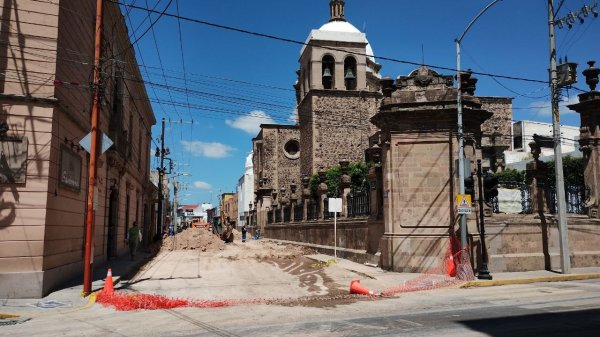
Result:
x=461 y=147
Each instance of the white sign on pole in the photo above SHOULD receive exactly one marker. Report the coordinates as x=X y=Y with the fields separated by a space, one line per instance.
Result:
x=335 y=205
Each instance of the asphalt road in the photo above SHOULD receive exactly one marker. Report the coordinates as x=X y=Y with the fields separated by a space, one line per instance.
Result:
x=542 y=309
x=539 y=309
x=557 y=309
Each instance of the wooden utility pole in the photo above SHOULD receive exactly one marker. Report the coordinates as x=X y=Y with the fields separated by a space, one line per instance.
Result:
x=88 y=260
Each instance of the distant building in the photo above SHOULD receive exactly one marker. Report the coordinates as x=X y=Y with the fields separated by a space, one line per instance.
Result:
x=229 y=203
x=523 y=132
x=194 y=213
x=245 y=191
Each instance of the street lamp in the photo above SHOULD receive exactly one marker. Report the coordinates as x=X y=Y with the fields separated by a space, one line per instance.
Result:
x=461 y=147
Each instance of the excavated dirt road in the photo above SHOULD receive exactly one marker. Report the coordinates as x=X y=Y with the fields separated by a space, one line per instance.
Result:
x=195 y=264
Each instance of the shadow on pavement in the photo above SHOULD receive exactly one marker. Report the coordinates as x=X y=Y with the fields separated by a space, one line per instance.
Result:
x=121 y=266
x=572 y=323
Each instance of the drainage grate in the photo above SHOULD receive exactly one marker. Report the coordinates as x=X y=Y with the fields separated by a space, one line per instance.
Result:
x=49 y=304
x=13 y=321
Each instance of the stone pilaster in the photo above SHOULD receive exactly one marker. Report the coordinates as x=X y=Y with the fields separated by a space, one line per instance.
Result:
x=589 y=110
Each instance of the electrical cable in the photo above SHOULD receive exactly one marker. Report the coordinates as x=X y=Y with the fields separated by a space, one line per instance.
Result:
x=288 y=40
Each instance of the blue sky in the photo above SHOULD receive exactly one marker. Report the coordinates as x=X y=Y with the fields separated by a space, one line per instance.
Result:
x=236 y=81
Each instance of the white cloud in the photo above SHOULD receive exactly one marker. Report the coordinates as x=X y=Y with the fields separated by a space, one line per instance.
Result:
x=209 y=150
x=251 y=122
x=201 y=185
x=543 y=108
x=293 y=116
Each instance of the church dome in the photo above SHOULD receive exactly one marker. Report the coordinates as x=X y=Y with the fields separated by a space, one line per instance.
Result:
x=343 y=30
x=339 y=26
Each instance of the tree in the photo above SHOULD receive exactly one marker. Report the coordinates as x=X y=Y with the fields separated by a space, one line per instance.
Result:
x=510 y=175
x=573 y=172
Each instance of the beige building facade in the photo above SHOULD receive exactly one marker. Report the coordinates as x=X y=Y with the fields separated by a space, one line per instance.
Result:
x=46 y=52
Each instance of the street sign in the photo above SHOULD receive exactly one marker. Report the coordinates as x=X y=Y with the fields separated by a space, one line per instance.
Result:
x=105 y=143
x=463 y=203
x=335 y=205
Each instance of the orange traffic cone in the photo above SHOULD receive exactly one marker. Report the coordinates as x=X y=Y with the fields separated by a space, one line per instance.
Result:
x=357 y=288
x=108 y=284
x=451 y=266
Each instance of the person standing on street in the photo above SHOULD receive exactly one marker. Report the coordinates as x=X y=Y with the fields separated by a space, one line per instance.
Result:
x=243 y=233
x=134 y=239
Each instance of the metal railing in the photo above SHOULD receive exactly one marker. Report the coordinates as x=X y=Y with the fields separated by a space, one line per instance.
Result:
x=312 y=211
x=358 y=204
x=524 y=189
x=576 y=196
x=298 y=212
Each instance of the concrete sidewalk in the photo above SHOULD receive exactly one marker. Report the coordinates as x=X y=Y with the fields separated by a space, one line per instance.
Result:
x=68 y=298
x=379 y=277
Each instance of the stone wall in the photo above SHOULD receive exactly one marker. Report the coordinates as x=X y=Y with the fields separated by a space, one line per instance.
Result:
x=351 y=233
x=337 y=125
x=526 y=242
x=496 y=131
x=501 y=122
x=271 y=161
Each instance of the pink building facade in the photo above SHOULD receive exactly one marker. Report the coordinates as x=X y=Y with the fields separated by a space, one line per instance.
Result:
x=46 y=52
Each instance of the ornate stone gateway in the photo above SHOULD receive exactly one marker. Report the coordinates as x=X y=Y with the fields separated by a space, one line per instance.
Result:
x=589 y=109
x=418 y=121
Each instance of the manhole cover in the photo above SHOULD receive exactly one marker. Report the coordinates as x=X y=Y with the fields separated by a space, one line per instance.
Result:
x=49 y=304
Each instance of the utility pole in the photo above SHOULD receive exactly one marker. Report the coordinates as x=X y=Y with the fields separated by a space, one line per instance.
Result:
x=560 y=185
x=161 y=169
x=88 y=259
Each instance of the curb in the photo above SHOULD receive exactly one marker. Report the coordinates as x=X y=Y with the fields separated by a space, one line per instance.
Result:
x=557 y=278
x=91 y=300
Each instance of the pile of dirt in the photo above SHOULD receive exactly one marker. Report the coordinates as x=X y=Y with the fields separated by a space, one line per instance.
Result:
x=194 y=238
x=263 y=250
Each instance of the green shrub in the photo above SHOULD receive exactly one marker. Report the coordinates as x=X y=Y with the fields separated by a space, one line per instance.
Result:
x=572 y=170
x=358 y=173
x=510 y=175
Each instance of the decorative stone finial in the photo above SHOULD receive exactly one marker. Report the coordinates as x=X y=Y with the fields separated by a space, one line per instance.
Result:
x=591 y=75
x=387 y=86
x=336 y=10
x=467 y=82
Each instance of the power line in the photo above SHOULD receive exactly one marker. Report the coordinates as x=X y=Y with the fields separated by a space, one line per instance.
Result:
x=152 y=23
x=288 y=40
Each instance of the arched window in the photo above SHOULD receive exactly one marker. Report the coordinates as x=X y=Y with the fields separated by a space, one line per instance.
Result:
x=328 y=72
x=350 y=73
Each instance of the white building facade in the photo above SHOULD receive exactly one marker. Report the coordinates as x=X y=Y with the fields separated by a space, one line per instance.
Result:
x=245 y=191
x=522 y=135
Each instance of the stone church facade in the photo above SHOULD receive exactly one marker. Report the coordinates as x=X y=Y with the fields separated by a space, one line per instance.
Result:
x=337 y=93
